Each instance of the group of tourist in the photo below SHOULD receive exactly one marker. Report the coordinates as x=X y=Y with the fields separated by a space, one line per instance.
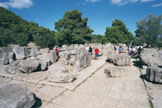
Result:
x=96 y=51
x=90 y=50
x=132 y=51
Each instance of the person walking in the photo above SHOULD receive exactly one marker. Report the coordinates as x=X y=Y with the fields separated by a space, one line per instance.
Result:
x=96 y=53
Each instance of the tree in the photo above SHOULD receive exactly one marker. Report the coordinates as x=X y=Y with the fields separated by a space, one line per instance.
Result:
x=99 y=39
x=118 y=33
x=44 y=38
x=15 y=30
x=72 y=29
x=149 y=30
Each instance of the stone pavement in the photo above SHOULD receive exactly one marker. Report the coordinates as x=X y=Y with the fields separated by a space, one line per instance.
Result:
x=92 y=89
x=99 y=91
x=154 y=91
x=47 y=91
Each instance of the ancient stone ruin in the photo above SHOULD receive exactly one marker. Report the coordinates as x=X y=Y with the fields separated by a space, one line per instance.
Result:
x=76 y=74
x=153 y=60
x=15 y=60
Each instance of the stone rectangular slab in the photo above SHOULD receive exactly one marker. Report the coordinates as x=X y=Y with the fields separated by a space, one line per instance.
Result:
x=32 y=77
x=4 y=80
x=31 y=86
x=47 y=93
x=4 y=75
x=155 y=92
x=81 y=76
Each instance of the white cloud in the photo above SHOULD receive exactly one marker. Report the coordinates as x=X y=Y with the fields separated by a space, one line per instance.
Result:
x=93 y=1
x=122 y=2
x=19 y=4
x=146 y=0
x=116 y=1
x=157 y=5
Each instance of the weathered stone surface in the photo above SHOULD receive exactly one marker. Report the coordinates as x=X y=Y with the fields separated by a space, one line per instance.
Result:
x=72 y=60
x=45 y=50
x=122 y=59
x=8 y=70
x=34 y=77
x=5 y=55
x=82 y=59
x=160 y=53
x=15 y=63
x=6 y=49
x=151 y=57
x=98 y=91
x=11 y=57
x=60 y=74
x=63 y=48
x=154 y=74
x=4 y=60
x=4 y=80
x=111 y=55
x=43 y=65
x=33 y=51
x=29 y=65
x=15 y=96
x=115 y=72
x=155 y=91
x=20 y=52
x=47 y=93
x=118 y=59
x=52 y=56
x=67 y=57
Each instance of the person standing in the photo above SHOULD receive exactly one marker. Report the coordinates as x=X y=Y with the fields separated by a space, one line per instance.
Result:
x=57 y=54
x=90 y=49
x=96 y=53
x=120 y=50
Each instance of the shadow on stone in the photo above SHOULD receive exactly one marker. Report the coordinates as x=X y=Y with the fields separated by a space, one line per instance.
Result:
x=38 y=102
x=137 y=64
x=143 y=77
x=107 y=60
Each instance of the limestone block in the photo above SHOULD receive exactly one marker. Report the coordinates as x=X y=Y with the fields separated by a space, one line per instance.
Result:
x=122 y=59
x=151 y=57
x=60 y=74
x=20 y=52
x=82 y=59
x=115 y=72
x=4 y=60
x=154 y=74
x=15 y=96
x=29 y=65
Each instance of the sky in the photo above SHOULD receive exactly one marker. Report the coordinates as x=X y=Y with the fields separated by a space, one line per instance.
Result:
x=100 y=13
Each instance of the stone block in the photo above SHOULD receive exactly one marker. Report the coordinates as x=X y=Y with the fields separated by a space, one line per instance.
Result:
x=15 y=96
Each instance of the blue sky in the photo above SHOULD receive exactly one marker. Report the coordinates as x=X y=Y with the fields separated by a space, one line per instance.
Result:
x=100 y=13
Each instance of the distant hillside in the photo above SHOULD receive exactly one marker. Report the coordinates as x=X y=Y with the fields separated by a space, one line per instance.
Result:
x=15 y=30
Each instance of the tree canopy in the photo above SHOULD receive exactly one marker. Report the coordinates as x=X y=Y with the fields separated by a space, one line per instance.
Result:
x=73 y=29
x=149 y=31
x=15 y=30
x=118 y=33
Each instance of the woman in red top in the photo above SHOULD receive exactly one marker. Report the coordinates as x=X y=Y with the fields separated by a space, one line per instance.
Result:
x=56 y=50
x=96 y=53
